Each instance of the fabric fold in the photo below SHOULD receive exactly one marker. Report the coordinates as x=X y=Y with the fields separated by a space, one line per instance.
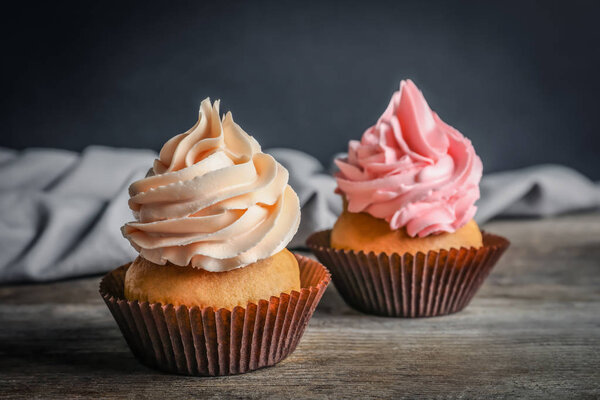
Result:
x=60 y=211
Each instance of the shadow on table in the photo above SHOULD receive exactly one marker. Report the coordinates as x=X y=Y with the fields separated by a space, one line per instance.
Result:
x=332 y=304
x=64 y=350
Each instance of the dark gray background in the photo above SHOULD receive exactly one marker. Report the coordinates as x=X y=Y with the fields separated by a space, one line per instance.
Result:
x=518 y=78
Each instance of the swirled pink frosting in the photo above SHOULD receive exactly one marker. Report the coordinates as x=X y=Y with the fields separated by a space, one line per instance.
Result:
x=412 y=169
x=213 y=199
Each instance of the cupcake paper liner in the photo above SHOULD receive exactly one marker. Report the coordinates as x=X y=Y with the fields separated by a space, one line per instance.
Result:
x=408 y=285
x=208 y=342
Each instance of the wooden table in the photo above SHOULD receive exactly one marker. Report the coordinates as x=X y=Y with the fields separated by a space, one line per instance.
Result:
x=532 y=331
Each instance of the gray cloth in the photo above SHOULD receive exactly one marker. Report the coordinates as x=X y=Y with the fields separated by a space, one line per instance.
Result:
x=61 y=212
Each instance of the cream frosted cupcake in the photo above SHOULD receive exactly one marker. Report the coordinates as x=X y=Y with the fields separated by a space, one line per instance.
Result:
x=406 y=243
x=213 y=217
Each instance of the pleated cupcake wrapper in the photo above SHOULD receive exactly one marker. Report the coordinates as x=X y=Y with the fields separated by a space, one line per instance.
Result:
x=407 y=285
x=208 y=342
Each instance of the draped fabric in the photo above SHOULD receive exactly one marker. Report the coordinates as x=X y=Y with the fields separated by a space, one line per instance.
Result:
x=61 y=212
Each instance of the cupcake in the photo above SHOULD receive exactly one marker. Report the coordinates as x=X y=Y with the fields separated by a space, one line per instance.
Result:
x=406 y=244
x=214 y=291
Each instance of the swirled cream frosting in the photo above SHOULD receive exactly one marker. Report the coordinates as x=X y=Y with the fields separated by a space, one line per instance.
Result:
x=212 y=200
x=412 y=169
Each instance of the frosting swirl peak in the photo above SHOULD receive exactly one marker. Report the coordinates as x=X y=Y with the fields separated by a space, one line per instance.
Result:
x=412 y=169
x=212 y=200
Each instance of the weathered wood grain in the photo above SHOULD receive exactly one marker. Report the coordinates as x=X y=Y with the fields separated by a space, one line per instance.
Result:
x=532 y=331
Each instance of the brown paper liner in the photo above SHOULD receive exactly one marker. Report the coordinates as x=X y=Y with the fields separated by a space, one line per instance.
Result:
x=407 y=285
x=208 y=342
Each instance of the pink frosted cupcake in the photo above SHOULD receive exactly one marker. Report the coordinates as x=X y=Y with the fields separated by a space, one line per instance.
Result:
x=406 y=243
